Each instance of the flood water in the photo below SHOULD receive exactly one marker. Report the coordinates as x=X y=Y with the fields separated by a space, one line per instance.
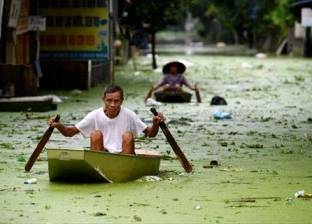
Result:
x=264 y=151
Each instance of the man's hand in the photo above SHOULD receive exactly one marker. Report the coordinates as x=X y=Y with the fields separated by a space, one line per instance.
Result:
x=153 y=130
x=52 y=122
x=67 y=131
x=158 y=119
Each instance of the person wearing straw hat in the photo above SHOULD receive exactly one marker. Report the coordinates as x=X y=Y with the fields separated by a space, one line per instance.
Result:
x=173 y=78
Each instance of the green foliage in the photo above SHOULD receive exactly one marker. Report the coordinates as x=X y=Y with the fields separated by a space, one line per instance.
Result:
x=280 y=17
x=235 y=21
x=155 y=14
x=260 y=17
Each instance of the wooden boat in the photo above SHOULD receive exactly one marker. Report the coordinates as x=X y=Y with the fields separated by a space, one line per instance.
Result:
x=173 y=96
x=73 y=165
x=29 y=103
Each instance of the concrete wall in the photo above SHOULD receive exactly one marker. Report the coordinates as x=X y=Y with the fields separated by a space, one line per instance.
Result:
x=73 y=74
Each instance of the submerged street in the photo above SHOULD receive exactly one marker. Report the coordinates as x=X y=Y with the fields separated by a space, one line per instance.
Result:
x=264 y=151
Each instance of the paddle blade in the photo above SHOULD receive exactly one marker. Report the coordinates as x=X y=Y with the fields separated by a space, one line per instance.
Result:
x=149 y=94
x=175 y=147
x=197 y=93
x=43 y=141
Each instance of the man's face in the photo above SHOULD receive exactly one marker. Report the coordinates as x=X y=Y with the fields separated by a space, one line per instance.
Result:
x=112 y=103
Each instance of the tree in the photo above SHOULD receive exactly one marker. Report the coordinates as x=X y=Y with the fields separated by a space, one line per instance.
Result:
x=154 y=15
x=245 y=21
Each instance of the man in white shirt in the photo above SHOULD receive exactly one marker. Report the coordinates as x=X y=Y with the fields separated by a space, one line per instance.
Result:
x=113 y=127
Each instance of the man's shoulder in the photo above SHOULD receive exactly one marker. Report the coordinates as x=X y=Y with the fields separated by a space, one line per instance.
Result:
x=98 y=110
x=95 y=112
x=127 y=110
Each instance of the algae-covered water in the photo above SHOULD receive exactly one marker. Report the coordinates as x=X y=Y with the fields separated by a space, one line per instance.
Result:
x=264 y=151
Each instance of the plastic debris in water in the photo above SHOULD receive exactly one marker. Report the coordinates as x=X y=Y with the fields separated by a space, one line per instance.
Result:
x=222 y=115
x=198 y=207
x=246 y=65
x=302 y=194
x=299 y=193
x=151 y=178
x=151 y=102
x=261 y=55
x=31 y=181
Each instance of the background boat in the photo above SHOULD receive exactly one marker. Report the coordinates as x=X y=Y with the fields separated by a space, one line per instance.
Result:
x=173 y=96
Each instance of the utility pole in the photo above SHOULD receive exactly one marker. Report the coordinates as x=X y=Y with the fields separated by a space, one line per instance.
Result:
x=307 y=43
x=110 y=42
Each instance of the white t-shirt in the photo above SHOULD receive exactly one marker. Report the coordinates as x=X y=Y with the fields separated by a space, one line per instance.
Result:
x=112 y=129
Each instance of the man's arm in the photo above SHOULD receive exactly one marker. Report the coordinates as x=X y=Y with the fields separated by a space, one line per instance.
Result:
x=153 y=130
x=67 y=131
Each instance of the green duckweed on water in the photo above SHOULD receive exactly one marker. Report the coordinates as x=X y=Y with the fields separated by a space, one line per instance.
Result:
x=261 y=156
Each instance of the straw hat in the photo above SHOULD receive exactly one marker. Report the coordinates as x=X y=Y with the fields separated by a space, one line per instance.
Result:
x=181 y=67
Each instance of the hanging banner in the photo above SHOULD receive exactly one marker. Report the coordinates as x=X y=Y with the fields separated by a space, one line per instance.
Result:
x=30 y=23
x=23 y=20
x=74 y=29
x=15 y=9
x=306 y=17
x=37 y=23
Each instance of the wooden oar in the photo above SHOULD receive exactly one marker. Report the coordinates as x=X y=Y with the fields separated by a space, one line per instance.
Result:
x=41 y=144
x=149 y=94
x=180 y=155
x=198 y=98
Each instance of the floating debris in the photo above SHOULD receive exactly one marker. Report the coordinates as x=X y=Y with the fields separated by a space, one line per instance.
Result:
x=220 y=115
x=261 y=55
x=214 y=163
x=223 y=144
x=137 y=218
x=302 y=194
x=21 y=158
x=100 y=214
x=252 y=146
x=31 y=181
x=151 y=102
x=163 y=211
x=150 y=179
x=198 y=207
